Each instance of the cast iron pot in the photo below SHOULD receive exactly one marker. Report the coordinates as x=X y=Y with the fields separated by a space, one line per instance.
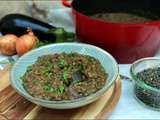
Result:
x=126 y=42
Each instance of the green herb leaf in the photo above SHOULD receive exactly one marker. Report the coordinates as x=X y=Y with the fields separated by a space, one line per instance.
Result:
x=61 y=89
x=65 y=76
x=48 y=87
x=22 y=78
x=72 y=55
x=80 y=67
x=50 y=75
x=48 y=71
x=56 y=93
x=50 y=66
x=29 y=68
x=62 y=63
x=35 y=82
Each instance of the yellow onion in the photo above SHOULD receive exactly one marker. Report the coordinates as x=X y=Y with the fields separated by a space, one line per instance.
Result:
x=26 y=42
x=8 y=44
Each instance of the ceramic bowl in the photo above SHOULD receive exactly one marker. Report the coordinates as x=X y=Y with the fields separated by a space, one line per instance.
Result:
x=107 y=61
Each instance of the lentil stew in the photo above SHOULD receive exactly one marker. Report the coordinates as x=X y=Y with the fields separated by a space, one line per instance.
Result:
x=64 y=76
x=121 y=18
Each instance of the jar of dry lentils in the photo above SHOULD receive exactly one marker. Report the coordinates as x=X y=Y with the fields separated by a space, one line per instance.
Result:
x=145 y=74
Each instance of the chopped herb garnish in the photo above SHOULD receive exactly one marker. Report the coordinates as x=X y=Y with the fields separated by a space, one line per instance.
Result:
x=65 y=76
x=50 y=66
x=61 y=89
x=48 y=71
x=35 y=82
x=62 y=63
x=50 y=75
x=48 y=87
x=71 y=54
x=56 y=93
x=45 y=71
x=80 y=67
x=29 y=68
x=22 y=78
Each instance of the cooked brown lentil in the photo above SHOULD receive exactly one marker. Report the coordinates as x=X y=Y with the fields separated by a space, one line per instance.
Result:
x=64 y=76
x=121 y=18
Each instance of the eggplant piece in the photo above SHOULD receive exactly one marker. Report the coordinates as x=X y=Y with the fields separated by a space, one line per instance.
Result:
x=74 y=93
x=78 y=76
x=17 y=24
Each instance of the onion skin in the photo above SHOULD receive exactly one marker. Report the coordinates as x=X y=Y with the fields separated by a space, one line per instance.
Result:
x=8 y=44
x=26 y=42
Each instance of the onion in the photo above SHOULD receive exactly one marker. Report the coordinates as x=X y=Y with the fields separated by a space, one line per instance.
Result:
x=8 y=44
x=26 y=42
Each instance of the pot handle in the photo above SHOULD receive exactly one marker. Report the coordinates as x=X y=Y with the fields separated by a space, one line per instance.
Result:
x=67 y=3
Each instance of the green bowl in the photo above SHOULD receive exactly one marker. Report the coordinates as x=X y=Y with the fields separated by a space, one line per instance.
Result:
x=105 y=58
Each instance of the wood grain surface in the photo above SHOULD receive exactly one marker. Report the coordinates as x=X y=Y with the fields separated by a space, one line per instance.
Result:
x=14 y=106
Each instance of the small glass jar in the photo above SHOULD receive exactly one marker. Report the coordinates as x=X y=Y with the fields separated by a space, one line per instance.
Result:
x=144 y=93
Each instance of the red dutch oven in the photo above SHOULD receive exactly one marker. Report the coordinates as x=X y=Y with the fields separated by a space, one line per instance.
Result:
x=126 y=42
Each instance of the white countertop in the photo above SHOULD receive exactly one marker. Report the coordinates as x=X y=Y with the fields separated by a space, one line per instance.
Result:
x=128 y=107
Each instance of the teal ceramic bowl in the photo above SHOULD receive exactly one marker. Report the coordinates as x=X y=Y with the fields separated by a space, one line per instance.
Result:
x=105 y=58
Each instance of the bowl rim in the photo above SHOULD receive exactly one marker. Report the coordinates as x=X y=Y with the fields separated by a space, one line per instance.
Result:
x=137 y=80
x=88 y=98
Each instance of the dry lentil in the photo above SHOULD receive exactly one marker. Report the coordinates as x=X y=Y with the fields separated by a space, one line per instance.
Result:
x=150 y=77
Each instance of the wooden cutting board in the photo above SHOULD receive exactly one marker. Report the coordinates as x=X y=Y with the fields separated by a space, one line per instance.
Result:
x=14 y=106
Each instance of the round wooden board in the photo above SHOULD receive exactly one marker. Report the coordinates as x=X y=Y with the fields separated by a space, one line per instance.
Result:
x=98 y=110
x=113 y=101
x=13 y=106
